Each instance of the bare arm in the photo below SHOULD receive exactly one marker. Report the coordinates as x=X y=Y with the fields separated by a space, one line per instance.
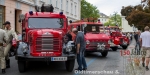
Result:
x=78 y=48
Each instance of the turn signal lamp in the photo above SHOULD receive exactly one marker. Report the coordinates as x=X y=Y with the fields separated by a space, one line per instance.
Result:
x=31 y=12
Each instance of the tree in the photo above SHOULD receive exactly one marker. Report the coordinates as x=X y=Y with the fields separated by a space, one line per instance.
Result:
x=114 y=20
x=88 y=10
x=138 y=15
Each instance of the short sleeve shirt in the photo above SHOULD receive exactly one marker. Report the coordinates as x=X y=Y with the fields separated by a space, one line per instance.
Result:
x=80 y=40
x=145 y=36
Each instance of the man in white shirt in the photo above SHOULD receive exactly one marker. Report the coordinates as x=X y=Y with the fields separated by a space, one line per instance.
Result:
x=145 y=44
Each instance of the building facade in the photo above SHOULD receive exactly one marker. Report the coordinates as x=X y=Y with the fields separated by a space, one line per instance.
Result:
x=71 y=8
x=10 y=10
x=126 y=27
x=103 y=18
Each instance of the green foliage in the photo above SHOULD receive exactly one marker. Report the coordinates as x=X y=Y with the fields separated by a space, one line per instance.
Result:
x=88 y=10
x=114 y=20
x=138 y=15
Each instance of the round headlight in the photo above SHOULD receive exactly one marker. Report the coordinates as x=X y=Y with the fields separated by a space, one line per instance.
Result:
x=68 y=48
x=87 y=42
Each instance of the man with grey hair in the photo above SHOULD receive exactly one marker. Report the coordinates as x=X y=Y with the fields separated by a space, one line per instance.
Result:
x=80 y=49
x=145 y=44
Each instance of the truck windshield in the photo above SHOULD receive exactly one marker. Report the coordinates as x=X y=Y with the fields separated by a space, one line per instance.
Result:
x=94 y=28
x=45 y=23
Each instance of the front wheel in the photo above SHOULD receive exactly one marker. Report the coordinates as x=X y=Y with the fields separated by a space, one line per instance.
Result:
x=21 y=66
x=104 y=53
x=124 y=47
x=70 y=65
x=114 y=48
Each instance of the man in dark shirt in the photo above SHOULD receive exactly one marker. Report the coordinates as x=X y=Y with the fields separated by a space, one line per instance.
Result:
x=80 y=43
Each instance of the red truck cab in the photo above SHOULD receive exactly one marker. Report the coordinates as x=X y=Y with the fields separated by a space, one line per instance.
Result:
x=95 y=37
x=117 y=38
x=42 y=40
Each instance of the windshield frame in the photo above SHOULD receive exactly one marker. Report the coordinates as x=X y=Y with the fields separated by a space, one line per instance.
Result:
x=27 y=23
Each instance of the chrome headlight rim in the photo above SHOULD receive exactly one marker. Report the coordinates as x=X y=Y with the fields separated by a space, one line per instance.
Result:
x=87 y=42
x=68 y=48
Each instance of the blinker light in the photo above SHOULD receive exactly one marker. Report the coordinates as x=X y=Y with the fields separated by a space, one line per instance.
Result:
x=61 y=13
x=31 y=12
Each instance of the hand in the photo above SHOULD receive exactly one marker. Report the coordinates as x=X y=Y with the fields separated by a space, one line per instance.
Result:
x=4 y=45
x=77 y=51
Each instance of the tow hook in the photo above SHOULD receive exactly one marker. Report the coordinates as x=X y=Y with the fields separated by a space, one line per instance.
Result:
x=47 y=60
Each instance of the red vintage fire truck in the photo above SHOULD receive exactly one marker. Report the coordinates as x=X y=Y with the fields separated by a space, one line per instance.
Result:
x=43 y=40
x=95 y=37
x=117 y=38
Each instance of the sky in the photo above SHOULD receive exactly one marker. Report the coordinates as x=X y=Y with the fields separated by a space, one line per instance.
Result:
x=110 y=6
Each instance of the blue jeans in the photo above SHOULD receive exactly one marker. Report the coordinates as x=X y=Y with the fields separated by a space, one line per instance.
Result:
x=81 y=60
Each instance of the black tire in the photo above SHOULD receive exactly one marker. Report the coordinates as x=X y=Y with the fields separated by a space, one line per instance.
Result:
x=22 y=66
x=70 y=65
x=104 y=53
x=114 y=48
x=124 y=47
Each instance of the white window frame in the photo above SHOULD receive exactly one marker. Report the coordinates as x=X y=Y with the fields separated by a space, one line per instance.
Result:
x=75 y=10
x=61 y=6
x=56 y=3
x=71 y=8
x=67 y=2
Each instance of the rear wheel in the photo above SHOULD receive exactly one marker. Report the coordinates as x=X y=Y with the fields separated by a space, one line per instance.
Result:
x=124 y=47
x=22 y=66
x=114 y=48
x=70 y=65
x=104 y=53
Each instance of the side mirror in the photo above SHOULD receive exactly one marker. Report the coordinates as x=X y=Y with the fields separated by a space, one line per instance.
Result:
x=21 y=17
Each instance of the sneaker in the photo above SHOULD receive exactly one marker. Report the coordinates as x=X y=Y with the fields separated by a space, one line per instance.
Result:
x=147 y=68
x=84 y=69
x=3 y=71
x=143 y=64
x=78 y=70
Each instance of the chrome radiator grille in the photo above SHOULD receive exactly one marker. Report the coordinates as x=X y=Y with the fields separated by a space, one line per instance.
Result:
x=95 y=43
x=47 y=43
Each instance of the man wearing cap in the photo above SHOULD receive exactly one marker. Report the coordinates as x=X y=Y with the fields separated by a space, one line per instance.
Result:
x=11 y=34
x=145 y=44
x=3 y=41
x=80 y=43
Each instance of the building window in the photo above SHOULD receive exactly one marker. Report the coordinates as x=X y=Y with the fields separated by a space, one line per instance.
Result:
x=75 y=10
x=2 y=2
x=71 y=8
x=2 y=16
x=18 y=5
x=61 y=4
x=30 y=8
x=56 y=3
x=50 y=1
x=67 y=6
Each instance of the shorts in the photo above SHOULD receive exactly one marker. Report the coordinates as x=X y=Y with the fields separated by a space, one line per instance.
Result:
x=146 y=51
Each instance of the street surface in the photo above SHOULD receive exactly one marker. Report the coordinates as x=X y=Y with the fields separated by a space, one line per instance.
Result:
x=94 y=61
x=113 y=62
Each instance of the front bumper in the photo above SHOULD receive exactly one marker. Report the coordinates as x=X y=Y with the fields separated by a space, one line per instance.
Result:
x=33 y=58
x=113 y=45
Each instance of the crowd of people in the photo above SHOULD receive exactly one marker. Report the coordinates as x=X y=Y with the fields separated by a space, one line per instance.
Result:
x=142 y=40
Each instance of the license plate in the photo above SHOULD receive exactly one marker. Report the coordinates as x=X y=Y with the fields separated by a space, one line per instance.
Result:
x=58 y=58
